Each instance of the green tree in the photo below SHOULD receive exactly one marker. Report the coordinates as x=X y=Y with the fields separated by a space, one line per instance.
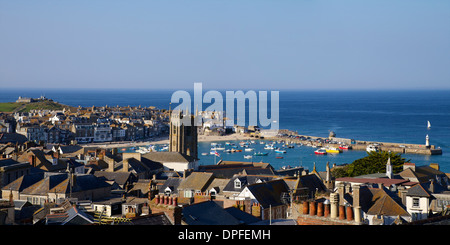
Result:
x=374 y=162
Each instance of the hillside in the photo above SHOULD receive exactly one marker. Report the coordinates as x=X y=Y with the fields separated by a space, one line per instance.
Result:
x=26 y=107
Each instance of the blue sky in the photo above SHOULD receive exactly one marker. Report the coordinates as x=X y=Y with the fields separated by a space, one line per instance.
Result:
x=301 y=44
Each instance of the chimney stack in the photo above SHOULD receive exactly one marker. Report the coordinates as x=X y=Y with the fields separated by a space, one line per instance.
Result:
x=334 y=199
x=356 y=202
x=341 y=191
x=111 y=162
x=125 y=165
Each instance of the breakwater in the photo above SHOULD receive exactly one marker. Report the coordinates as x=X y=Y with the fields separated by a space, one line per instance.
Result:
x=332 y=141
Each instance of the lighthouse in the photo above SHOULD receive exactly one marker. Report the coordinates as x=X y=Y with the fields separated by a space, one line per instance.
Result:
x=427 y=141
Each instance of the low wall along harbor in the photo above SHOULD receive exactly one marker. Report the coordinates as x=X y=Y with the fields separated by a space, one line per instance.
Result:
x=358 y=144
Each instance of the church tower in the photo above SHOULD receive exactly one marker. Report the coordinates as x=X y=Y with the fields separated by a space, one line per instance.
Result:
x=183 y=138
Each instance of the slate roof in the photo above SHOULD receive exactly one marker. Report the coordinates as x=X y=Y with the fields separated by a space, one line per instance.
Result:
x=376 y=201
x=218 y=185
x=162 y=157
x=312 y=182
x=245 y=180
x=119 y=177
x=268 y=193
x=421 y=173
x=13 y=138
x=207 y=213
x=418 y=191
x=10 y=163
x=226 y=169
x=152 y=219
x=426 y=189
x=43 y=183
x=196 y=181
x=73 y=216
x=172 y=183
x=243 y=217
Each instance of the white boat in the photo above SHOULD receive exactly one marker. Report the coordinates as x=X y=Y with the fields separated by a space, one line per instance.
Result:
x=269 y=147
x=165 y=148
x=321 y=151
x=280 y=151
x=205 y=153
x=248 y=149
x=217 y=148
x=428 y=124
x=248 y=156
x=371 y=148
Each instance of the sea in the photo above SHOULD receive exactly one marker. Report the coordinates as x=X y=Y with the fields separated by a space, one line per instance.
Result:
x=385 y=116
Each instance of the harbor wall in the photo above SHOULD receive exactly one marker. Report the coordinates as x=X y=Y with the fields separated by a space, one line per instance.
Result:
x=359 y=145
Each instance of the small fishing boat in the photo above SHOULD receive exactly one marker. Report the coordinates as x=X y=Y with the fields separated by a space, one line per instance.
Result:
x=248 y=156
x=205 y=153
x=279 y=157
x=333 y=150
x=280 y=151
x=320 y=151
x=345 y=147
x=261 y=154
x=428 y=124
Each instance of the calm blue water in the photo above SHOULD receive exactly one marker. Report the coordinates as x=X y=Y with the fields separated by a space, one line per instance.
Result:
x=398 y=116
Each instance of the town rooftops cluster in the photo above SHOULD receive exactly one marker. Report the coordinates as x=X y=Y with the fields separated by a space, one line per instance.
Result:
x=89 y=185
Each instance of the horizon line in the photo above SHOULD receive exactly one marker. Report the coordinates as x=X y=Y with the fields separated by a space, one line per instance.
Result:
x=241 y=89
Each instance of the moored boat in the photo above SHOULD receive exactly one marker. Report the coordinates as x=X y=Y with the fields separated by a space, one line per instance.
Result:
x=320 y=151
x=345 y=147
x=280 y=151
x=371 y=148
x=333 y=150
x=261 y=154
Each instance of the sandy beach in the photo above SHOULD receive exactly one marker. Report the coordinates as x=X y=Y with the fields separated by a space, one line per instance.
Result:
x=165 y=140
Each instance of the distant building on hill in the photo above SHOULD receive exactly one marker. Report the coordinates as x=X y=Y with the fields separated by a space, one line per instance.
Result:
x=30 y=100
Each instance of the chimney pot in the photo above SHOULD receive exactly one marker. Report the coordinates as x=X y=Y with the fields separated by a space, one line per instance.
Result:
x=341 y=212
x=320 y=209
x=312 y=208
x=327 y=210
x=349 y=213
x=175 y=201
x=305 y=207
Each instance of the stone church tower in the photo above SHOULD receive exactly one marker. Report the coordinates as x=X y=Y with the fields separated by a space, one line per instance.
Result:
x=183 y=138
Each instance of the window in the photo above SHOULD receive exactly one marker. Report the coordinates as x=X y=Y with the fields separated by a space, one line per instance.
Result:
x=415 y=202
x=237 y=184
x=188 y=193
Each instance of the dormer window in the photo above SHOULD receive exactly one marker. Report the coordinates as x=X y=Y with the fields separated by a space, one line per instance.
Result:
x=237 y=183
